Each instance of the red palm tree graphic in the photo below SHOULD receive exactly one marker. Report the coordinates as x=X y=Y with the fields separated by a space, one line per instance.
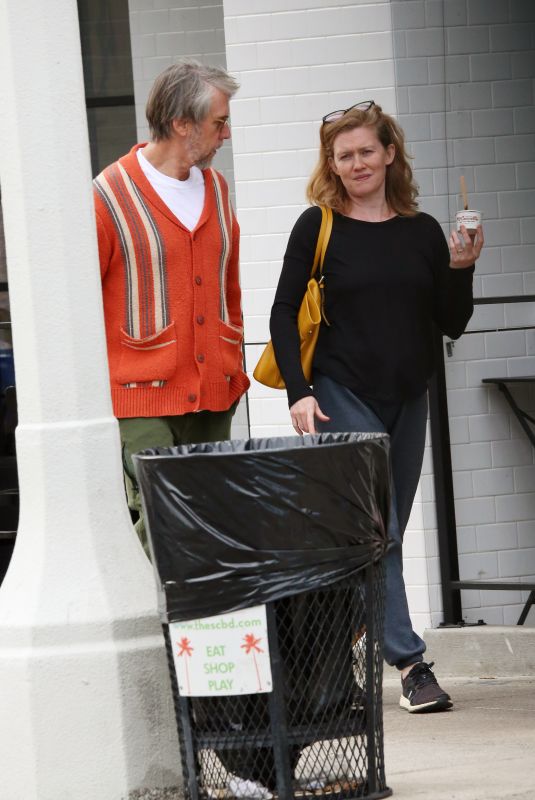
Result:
x=251 y=646
x=185 y=649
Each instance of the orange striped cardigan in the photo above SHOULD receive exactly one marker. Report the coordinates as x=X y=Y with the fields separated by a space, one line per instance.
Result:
x=171 y=297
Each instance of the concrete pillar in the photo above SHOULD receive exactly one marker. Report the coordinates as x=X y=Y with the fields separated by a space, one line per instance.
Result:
x=84 y=692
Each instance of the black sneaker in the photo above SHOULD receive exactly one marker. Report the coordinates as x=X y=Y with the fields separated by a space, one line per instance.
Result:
x=421 y=692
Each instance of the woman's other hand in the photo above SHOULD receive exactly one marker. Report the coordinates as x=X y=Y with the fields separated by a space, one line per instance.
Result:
x=464 y=251
x=303 y=413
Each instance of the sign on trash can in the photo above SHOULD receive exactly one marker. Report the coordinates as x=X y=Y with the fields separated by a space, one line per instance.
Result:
x=227 y=654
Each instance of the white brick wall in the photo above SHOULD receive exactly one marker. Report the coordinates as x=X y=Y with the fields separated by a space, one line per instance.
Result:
x=304 y=62
x=295 y=61
x=494 y=472
x=459 y=75
x=464 y=71
x=163 y=31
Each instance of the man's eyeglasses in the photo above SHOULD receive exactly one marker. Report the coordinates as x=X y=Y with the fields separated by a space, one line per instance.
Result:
x=335 y=115
x=221 y=122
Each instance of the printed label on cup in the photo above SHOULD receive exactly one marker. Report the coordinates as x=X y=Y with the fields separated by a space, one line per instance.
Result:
x=470 y=219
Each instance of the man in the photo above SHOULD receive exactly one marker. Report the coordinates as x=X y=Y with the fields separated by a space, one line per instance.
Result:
x=168 y=247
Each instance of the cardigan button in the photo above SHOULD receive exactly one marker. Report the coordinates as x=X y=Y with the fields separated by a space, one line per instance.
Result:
x=198 y=280
x=192 y=398
x=200 y=358
x=200 y=320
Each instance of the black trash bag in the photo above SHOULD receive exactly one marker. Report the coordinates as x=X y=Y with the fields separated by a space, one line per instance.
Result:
x=240 y=523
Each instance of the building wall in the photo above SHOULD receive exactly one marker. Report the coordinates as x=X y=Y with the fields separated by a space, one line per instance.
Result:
x=163 y=31
x=298 y=59
x=464 y=76
x=295 y=61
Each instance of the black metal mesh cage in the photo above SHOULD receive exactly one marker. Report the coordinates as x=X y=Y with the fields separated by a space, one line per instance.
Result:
x=312 y=557
x=319 y=732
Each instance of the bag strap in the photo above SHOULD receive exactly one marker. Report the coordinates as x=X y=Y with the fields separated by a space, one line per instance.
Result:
x=323 y=239
x=326 y=235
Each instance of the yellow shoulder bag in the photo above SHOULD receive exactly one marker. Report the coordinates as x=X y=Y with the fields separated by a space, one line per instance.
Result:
x=308 y=318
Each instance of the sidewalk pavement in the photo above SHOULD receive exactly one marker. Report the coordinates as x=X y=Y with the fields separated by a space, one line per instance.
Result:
x=483 y=749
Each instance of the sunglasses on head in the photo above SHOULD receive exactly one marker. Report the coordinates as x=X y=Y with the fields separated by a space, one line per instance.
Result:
x=365 y=105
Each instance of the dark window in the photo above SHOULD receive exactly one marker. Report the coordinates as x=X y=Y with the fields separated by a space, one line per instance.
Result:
x=108 y=79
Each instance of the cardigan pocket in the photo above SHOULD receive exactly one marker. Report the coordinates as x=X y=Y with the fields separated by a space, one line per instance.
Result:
x=150 y=359
x=230 y=342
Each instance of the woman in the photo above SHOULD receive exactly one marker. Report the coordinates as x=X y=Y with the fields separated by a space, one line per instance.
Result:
x=390 y=276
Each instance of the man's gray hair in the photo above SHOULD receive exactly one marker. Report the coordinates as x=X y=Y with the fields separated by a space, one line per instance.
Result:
x=185 y=91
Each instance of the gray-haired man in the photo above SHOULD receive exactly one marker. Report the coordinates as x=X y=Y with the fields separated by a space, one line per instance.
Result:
x=169 y=247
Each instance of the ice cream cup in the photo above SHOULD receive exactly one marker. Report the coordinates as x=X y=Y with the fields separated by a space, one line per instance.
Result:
x=470 y=219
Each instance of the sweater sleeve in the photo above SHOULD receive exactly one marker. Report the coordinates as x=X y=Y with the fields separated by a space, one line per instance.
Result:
x=233 y=291
x=454 y=303
x=291 y=289
x=104 y=245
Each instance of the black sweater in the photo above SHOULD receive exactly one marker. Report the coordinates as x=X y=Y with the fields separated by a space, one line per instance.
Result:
x=386 y=284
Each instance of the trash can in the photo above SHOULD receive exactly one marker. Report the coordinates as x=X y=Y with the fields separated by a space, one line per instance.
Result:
x=268 y=561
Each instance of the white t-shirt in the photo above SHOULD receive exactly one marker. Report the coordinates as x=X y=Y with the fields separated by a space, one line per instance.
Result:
x=184 y=198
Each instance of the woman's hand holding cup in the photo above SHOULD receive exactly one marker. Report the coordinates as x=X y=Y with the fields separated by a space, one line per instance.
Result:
x=466 y=242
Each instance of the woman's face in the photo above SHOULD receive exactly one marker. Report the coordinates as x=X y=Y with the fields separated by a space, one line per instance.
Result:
x=360 y=161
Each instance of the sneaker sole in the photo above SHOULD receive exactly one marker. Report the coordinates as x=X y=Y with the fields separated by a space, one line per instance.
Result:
x=442 y=704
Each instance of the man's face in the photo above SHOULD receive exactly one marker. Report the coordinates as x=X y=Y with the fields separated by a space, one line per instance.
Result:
x=208 y=136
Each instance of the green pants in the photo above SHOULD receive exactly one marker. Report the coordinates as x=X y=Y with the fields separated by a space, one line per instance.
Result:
x=140 y=433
